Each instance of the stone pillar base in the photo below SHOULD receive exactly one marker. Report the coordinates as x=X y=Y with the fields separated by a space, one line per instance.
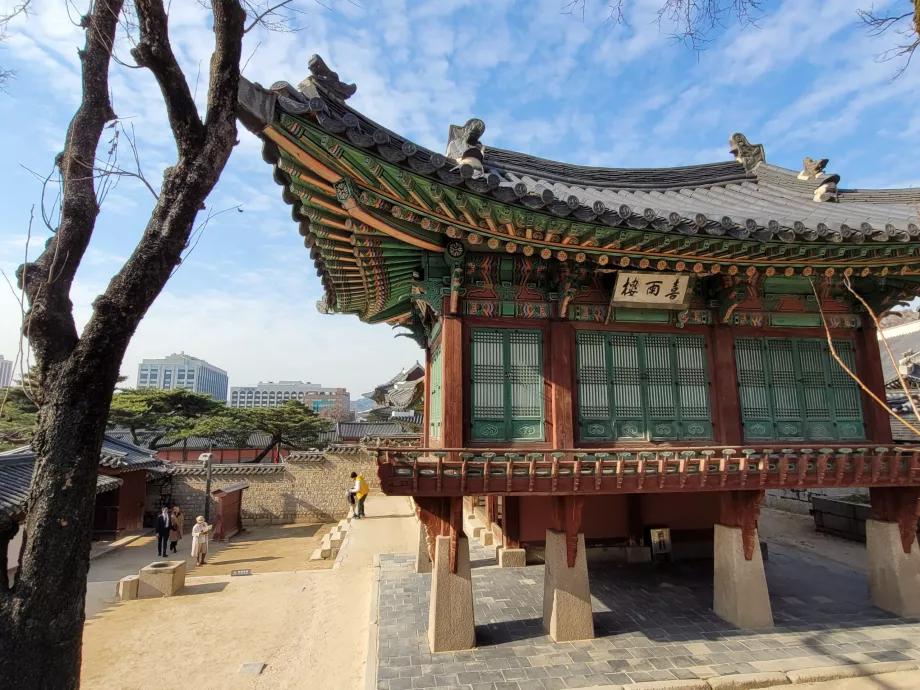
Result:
x=126 y=589
x=486 y=538
x=511 y=558
x=894 y=576
x=161 y=579
x=450 y=612
x=740 y=593
x=422 y=559
x=567 y=612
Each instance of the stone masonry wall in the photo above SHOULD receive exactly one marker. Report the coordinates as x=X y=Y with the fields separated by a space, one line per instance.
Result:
x=305 y=488
x=799 y=500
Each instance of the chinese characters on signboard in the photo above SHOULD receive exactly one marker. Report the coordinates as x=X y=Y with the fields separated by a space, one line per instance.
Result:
x=667 y=290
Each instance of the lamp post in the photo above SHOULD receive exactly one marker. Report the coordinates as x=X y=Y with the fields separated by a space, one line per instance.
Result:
x=206 y=459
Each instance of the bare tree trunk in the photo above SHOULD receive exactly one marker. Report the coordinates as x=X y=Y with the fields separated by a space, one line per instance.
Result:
x=42 y=611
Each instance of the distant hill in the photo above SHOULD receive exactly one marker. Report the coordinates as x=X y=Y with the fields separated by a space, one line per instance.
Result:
x=362 y=404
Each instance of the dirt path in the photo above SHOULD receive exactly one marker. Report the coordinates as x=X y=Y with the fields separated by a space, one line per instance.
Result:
x=798 y=532
x=309 y=627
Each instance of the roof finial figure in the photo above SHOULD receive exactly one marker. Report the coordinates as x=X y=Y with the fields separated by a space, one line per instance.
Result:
x=464 y=147
x=746 y=153
x=812 y=169
x=328 y=81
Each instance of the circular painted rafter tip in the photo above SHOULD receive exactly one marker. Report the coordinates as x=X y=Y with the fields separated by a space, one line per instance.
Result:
x=661 y=265
x=624 y=261
x=680 y=266
x=454 y=232
x=789 y=271
x=751 y=271
x=698 y=268
x=473 y=238
x=603 y=260
x=848 y=271
x=580 y=257
x=562 y=255
x=807 y=271
x=884 y=271
x=511 y=247
x=769 y=271
x=829 y=272
x=546 y=254
x=644 y=263
x=493 y=243
x=528 y=250
x=732 y=270
x=864 y=272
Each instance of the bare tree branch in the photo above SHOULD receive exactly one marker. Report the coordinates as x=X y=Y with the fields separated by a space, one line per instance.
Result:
x=905 y=25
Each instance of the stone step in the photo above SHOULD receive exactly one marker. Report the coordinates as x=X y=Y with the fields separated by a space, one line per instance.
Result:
x=317 y=555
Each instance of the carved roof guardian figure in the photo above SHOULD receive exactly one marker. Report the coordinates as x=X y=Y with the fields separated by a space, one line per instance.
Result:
x=746 y=153
x=464 y=147
x=327 y=81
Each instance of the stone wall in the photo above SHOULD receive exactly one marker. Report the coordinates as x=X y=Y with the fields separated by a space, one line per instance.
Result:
x=307 y=487
x=799 y=500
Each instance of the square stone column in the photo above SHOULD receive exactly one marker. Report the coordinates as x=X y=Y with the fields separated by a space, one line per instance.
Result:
x=422 y=558
x=740 y=593
x=894 y=576
x=450 y=612
x=567 y=612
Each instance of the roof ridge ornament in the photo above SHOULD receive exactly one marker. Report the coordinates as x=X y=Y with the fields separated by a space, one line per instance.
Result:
x=813 y=169
x=325 y=80
x=464 y=147
x=746 y=153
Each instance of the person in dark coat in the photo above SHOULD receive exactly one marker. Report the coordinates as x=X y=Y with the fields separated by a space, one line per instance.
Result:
x=164 y=525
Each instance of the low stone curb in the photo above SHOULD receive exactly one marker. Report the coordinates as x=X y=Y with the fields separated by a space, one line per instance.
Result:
x=120 y=545
x=752 y=681
x=370 y=671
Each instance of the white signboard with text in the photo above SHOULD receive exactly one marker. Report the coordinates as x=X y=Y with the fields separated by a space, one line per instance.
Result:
x=668 y=290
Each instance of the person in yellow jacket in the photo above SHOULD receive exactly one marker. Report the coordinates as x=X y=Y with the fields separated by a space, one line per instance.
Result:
x=360 y=491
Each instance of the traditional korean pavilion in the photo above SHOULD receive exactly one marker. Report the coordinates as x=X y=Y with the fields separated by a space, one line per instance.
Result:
x=626 y=357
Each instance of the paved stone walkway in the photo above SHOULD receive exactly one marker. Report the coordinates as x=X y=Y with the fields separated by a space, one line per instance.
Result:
x=652 y=623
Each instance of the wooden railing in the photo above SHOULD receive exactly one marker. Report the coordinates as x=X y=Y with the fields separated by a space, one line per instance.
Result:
x=466 y=471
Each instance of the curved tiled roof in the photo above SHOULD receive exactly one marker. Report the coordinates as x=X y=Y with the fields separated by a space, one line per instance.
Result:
x=371 y=204
x=224 y=469
x=16 y=477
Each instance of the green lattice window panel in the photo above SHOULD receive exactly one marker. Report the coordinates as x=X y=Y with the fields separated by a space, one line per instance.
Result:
x=642 y=386
x=507 y=385
x=436 y=396
x=792 y=389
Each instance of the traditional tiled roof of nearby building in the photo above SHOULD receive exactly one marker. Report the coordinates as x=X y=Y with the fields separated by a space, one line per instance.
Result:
x=904 y=341
x=376 y=209
x=257 y=439
x=116 y=454
x=355 y=431
x=900 y=432
x=16 y=478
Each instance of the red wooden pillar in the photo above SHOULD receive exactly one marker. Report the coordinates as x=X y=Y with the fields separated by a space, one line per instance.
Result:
x=897 y=504
x=426 y=440
x=567 y=518
x=869 y=370
x=442 y=516
x=561 y=377
x=452 y=382
x=742 y=509
x=726 y=401
x=511 y=522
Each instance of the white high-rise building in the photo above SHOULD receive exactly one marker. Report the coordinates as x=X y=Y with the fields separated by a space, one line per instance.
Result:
x=6 y=372
x=182 y=371
x=271 y=394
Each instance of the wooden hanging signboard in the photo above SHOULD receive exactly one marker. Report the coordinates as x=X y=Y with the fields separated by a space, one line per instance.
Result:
x=661 y=290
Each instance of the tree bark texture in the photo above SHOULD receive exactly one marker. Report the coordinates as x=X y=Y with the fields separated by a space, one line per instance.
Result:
x=42 y=610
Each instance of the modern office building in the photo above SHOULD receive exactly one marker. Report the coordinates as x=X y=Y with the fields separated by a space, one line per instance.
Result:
x=183 y=371
x=6 y=372
x=271 y=394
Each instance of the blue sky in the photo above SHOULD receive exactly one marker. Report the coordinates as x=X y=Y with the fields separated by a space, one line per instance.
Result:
x=804 y=82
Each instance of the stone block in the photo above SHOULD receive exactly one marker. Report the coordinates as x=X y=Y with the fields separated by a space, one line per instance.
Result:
x=344 y=525
x=161 y=579
x=740 y=593
x=511 y=558
x=317 y=555
x=567 y=612
x=450 y=612
x=422 y=557
x=126 y=589
x=894 y=576
x=477 y=531
x=486 y=538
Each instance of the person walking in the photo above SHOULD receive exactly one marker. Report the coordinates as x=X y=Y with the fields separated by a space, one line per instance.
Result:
x=200 y=533
x=177 y=520
x=163 y=526
x=360 y=491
